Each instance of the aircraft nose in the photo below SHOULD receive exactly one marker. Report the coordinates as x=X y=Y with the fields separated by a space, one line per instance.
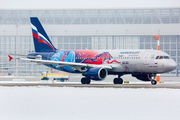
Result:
x=172 y=65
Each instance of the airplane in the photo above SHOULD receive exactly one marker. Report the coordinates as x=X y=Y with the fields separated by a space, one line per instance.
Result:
x=97 y=64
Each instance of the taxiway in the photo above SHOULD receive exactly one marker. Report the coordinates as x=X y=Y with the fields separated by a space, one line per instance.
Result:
x=95 y=85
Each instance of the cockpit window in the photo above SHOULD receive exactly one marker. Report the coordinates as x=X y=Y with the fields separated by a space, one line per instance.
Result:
x=166 y=57
x=157 y=57
x=161 y=57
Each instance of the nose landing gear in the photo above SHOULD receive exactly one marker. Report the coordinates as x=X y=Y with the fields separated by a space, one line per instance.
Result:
x=152 y=77
x=153 y=82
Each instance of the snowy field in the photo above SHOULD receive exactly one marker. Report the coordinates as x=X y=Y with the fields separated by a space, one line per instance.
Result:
x=65 y=103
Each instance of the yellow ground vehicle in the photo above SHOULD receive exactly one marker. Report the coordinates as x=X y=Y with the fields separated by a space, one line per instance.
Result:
x=56 y=76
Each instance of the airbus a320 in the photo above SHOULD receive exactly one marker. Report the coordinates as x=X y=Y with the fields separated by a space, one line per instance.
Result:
x=97 y=64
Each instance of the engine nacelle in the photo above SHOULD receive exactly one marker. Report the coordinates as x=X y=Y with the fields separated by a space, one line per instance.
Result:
x=144 y=77
x=96 y=73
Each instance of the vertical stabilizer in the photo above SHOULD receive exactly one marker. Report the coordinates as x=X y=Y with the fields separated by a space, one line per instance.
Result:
x=42 y=42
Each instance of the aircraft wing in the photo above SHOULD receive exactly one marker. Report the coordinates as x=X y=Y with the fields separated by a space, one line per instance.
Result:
x=70 y=64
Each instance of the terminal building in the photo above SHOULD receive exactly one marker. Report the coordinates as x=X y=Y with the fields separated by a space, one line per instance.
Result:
x=74 y=29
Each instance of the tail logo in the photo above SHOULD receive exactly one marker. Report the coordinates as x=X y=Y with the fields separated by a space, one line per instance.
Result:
x=40 y=37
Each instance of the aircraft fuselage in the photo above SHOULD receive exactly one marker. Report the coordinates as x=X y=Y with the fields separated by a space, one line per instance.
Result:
x=122 y=61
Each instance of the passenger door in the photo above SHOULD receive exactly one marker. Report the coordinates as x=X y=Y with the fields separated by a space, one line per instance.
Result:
x=146 y=58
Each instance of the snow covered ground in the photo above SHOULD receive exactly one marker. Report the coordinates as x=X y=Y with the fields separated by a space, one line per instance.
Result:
x=65 y=103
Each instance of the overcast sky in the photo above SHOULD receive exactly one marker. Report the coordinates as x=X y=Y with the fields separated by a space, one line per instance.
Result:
x=71 y=4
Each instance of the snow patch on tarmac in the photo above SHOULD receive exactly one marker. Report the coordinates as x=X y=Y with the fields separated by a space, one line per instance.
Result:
x=67 y=103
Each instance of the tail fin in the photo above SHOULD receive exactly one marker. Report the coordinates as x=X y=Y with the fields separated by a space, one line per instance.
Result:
x=42 y=42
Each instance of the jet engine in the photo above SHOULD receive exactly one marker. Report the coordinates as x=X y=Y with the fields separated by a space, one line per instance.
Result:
x=144 y=77
x=95 y=73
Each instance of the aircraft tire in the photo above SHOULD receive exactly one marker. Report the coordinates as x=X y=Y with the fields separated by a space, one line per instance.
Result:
x=121 y=81
x=153 y=82
x=62 y=79
x=115 y=80
x=85 y=80
x=118 y=81
x=88 y=81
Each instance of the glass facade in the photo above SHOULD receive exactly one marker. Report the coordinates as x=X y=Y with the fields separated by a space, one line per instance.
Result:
x=13 y=41
x=93 y=16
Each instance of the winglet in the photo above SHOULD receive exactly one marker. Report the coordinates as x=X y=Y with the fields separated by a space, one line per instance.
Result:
x=10 y=58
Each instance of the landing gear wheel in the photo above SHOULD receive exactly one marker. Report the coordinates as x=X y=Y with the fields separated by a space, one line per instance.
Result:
x=88 y=81
x=62 y=79
x=115 y=81
x=85 y=81
x=121 y=80
x=153 y=82
x=118 y=81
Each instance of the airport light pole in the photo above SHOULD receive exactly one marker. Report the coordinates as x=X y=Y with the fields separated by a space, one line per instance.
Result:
x=158 y=77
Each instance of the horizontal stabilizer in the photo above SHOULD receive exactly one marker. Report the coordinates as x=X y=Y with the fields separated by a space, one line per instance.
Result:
x=23 y=56
x=10 y=58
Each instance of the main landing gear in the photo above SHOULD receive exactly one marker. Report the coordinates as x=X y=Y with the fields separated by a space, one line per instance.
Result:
x=85 y=80
x=118 y=80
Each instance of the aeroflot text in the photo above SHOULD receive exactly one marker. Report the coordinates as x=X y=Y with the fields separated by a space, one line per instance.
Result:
x=129 y=52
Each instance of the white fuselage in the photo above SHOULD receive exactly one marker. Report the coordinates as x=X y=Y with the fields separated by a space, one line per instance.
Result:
x=143 y=61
